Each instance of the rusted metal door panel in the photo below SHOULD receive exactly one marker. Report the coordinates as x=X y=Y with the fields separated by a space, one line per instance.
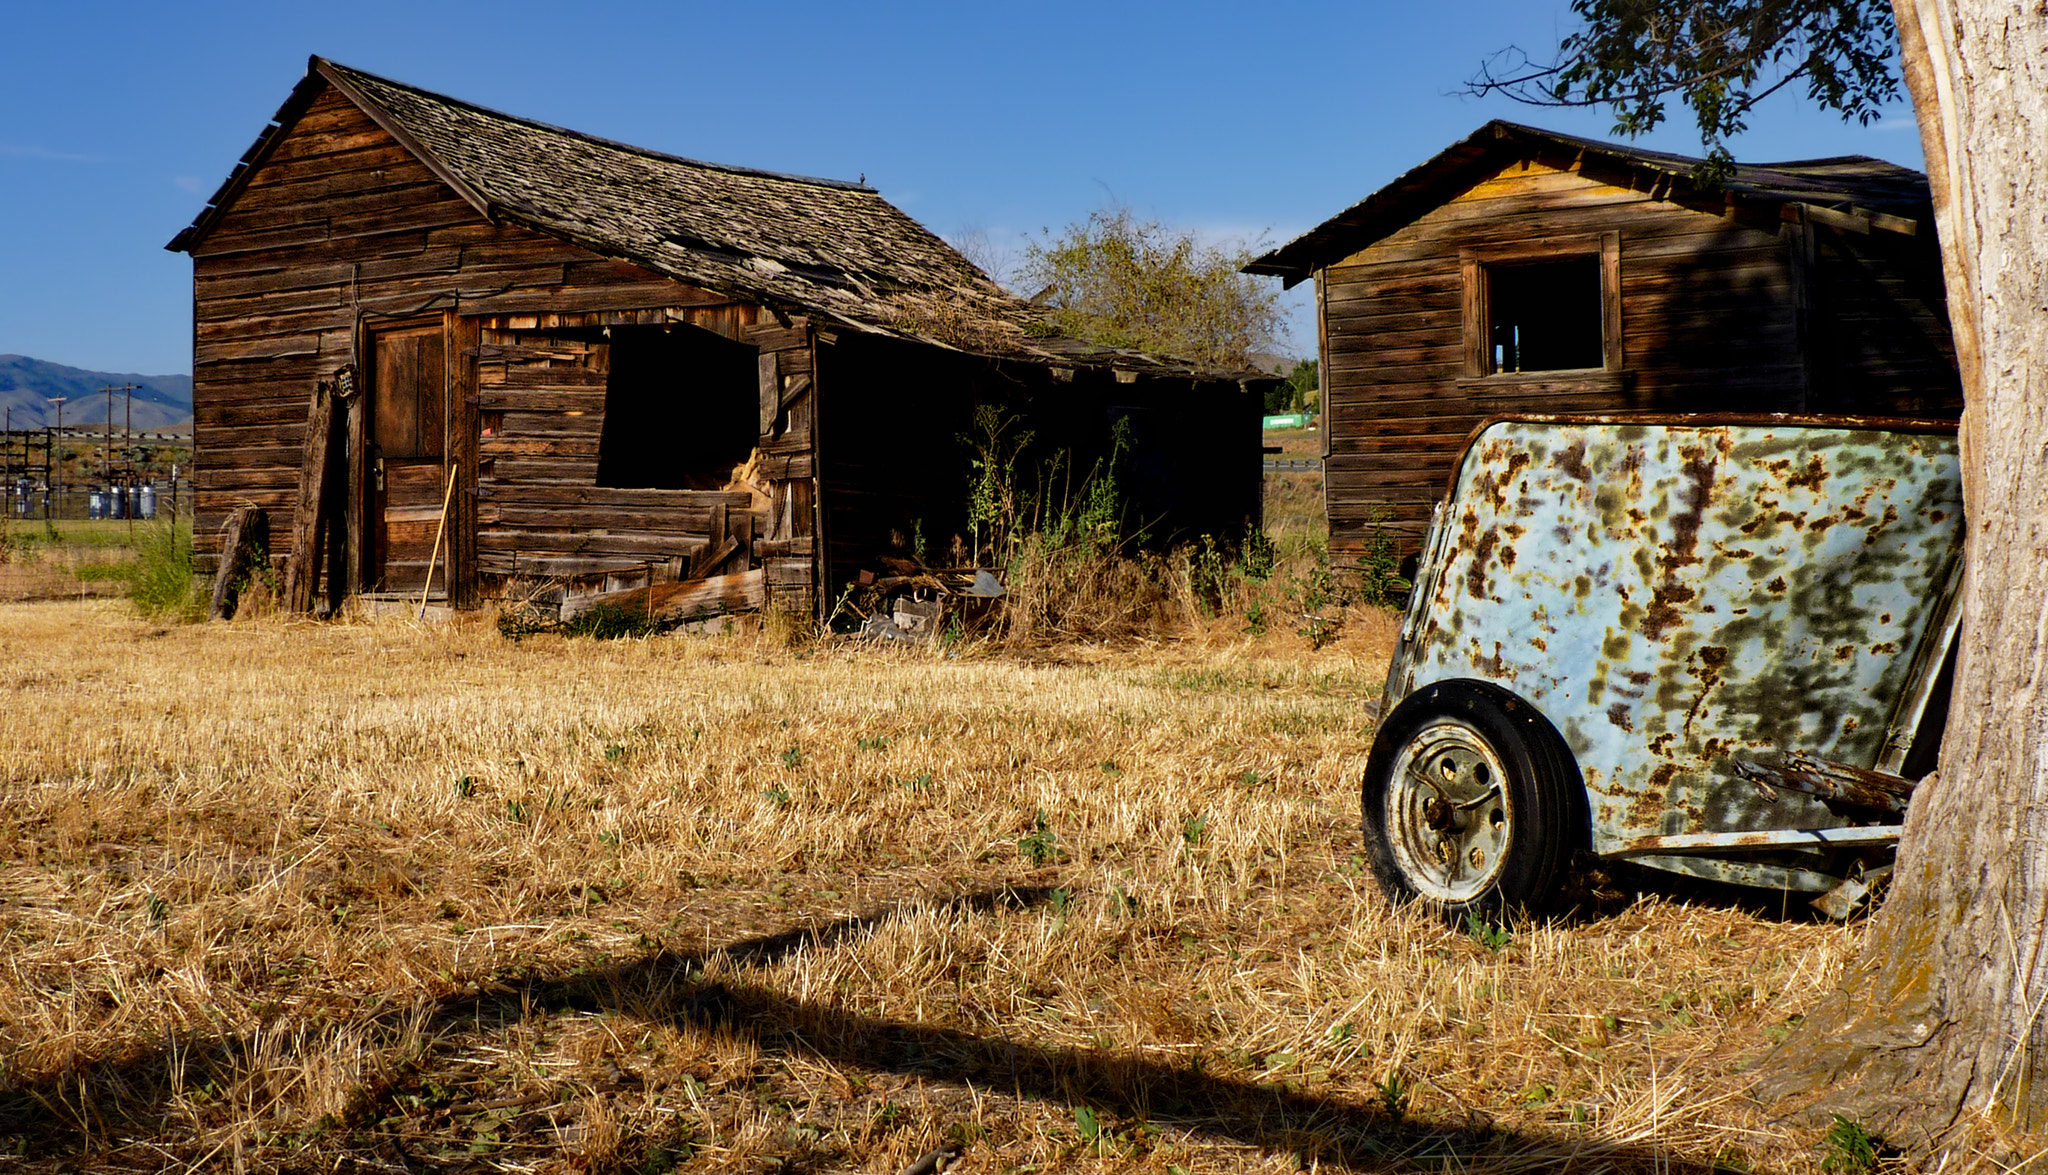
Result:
x=1675 y=595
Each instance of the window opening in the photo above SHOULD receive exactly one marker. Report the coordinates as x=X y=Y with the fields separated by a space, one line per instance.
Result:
x=681 y=409
x=1544 y=315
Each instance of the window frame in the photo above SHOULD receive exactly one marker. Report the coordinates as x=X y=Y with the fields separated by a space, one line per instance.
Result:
x=1473 y=263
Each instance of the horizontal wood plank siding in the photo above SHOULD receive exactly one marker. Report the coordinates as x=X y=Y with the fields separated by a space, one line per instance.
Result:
x=342 y=229
x=1701 y=292
x=1883 y=343
x=541 y=515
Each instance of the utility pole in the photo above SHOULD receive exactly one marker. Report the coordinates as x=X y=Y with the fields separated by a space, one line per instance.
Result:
x=130 y=500
x=107 y=442
x=53 y=457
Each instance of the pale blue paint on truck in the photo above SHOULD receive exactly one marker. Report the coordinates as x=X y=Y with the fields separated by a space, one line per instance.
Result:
x=1675 y=595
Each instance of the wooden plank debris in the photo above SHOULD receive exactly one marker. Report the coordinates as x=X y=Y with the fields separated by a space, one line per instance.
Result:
x=318 y=470
x=915 y=604
x=671 y=603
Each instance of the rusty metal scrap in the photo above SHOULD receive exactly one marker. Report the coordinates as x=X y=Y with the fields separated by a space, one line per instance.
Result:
x=1677 y=594
x=1853 y=790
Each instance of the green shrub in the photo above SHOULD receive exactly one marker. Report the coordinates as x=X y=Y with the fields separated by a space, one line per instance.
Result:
x=1381 y=583
x=161 y=581
x=1848 y=1149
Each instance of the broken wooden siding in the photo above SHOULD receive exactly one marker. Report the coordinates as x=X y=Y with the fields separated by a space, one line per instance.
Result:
x=1881 y=340
x=791 y=548
x=339 y=232
x=541 y=514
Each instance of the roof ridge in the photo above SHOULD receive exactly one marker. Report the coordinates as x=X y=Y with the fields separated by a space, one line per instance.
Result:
x=615 y=144
x=1820 y=159
x=1782 y=182
x=1646 y=153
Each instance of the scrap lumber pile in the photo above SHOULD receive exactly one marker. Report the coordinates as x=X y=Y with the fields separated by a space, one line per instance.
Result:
x=915 y=604
x=665 y=605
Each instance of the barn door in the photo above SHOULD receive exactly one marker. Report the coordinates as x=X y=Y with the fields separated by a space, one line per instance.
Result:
x=408 y=444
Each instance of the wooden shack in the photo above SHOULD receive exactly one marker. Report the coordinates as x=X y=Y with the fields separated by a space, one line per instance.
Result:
x=1526 y=271
x=583 y=365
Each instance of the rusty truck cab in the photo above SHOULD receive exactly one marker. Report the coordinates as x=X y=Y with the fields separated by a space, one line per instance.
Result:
x=1709 y=645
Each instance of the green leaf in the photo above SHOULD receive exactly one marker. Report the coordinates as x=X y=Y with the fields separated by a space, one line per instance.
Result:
x=1085 y=1121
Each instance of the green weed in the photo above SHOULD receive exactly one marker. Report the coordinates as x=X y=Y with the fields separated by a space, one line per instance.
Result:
x=162 y=583
x=609 y=622
x=1381 y=584
x=1040 y=846
x=1485 y=933
x=1848 y=1149
x=1394 y=1090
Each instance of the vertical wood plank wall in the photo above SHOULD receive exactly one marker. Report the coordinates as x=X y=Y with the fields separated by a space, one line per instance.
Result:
x=791 y=551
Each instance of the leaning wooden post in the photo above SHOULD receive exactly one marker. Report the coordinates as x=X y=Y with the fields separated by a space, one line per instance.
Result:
x=246 y=532
x=302 y=568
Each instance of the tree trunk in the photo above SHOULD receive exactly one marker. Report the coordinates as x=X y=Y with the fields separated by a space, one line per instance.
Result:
x=1938 y=1031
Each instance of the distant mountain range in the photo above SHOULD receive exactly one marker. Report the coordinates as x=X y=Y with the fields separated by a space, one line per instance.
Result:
x=27 y=386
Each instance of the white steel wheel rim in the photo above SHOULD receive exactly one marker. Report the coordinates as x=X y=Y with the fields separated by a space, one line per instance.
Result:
x=1448 y=814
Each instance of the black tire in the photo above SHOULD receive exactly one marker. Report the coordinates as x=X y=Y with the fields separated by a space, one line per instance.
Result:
x=1472 y=802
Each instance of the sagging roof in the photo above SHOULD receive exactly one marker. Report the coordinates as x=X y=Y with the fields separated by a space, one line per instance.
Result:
x=1857 y=185
x=826 y=248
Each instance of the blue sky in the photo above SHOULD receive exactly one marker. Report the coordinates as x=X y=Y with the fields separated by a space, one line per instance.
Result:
x=1239 y=120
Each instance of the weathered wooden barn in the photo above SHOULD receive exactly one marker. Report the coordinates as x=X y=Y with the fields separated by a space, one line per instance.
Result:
x=1525 y=271
x=588 y=363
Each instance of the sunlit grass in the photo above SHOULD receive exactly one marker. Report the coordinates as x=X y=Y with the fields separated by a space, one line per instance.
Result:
x=279 y=893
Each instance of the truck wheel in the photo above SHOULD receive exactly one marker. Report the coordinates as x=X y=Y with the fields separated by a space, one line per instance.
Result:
x=1472 y=802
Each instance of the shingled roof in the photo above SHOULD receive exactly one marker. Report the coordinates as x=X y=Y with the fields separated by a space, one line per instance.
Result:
x=835 y=250
x=1856 y=185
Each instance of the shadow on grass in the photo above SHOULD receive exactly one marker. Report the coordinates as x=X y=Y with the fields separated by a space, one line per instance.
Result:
x=58 y=1121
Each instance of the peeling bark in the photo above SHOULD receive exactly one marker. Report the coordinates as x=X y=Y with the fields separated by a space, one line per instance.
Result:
x=1939 y=1029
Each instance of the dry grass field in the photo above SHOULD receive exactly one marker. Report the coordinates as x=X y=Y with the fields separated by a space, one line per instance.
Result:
x=378 y=896
x=63 y=560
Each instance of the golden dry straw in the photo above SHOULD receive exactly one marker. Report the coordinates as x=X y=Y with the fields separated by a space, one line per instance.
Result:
x=286 y=896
